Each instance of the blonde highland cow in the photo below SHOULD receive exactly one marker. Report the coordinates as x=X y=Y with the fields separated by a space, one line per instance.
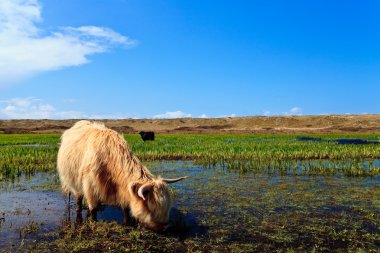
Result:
x=96 y=163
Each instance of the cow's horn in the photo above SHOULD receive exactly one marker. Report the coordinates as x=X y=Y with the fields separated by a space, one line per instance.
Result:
x=144 y=189
x=169 y=181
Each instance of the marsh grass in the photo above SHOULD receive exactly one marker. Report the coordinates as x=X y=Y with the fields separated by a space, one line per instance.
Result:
x=259 y=193
x=280 y=153
x=107 y=237
x=217 y=210
x=244 y=213
x=30 y=228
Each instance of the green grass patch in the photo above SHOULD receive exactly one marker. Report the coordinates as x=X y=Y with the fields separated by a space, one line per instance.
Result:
x=279 y=153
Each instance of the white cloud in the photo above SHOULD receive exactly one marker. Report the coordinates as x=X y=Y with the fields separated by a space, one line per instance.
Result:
x=34 y=108
x=227 y=116
x=294 y=111
x=172 y=115
x=266 y=113
x=103 y=34
x=25 y=108
x=25 y=49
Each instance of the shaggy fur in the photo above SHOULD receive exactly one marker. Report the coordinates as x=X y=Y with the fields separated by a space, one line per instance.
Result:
x=96 y=163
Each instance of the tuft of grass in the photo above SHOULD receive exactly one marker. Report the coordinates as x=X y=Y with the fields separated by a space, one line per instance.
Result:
x=31 y=228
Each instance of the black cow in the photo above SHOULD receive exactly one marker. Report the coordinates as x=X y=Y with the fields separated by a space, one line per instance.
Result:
x=147 y=136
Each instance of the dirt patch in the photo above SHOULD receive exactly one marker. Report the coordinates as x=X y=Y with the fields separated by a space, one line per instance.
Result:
x=256 y=124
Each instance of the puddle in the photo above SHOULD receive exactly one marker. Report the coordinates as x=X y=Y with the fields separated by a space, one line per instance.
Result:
x=308 y=138
x=215 y=204
x=356 y=141
x=21 y=210
x=339 y=141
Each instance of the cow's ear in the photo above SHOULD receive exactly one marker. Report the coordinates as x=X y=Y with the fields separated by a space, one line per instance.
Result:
x=134 y=188
x=144 y=190
x=141 y=190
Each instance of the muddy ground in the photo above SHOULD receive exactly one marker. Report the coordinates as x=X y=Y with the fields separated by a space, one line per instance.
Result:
x=365 y=123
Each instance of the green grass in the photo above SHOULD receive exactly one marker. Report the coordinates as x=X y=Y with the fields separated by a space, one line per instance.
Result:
x=30 y=153
x=23 y=139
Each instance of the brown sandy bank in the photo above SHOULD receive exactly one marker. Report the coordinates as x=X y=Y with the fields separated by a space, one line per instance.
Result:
x=365 y=123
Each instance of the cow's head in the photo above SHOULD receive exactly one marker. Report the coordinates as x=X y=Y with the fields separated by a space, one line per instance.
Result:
x=151 y=202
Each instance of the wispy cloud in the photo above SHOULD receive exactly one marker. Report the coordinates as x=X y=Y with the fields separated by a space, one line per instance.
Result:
x=297 y=111
x=266 y=113
x=25 y=49
x=294 y=111
x=35 y=108
x=180 y=114
x=227 y=116
x=172 y=115
x=26 y=108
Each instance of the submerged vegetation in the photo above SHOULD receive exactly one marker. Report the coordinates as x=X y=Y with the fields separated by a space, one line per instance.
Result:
x=281 y=153
x=220 y=211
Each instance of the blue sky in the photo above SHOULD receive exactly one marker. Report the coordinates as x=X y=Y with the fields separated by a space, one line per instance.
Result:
x=162 y=59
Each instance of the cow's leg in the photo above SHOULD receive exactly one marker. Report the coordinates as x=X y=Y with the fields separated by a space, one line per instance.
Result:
x=92 y=200
x=127 y=218
x=125 y=215
x=79 y=206
x=79 y=218
x=79 y=202
x=93 y=213
x=92 y=208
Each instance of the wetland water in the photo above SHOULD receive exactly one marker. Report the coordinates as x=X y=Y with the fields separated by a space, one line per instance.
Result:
x=224 y=209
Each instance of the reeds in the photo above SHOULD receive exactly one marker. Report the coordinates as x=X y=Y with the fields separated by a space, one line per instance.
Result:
x=27 y=154
x=280 y=153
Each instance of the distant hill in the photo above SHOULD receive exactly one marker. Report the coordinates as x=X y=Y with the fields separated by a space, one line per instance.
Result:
x=365 y=123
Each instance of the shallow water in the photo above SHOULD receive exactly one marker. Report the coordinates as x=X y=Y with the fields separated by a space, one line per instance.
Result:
x=341 y=141
x=228 y=207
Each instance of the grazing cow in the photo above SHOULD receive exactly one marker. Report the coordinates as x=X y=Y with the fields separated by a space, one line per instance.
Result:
x=147 y=136
x=96 y=163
